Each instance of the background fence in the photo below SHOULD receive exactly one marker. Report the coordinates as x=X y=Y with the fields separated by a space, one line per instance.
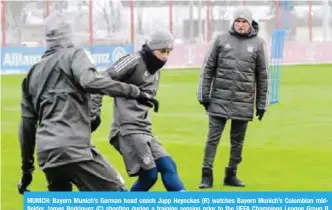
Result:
x=111 y=28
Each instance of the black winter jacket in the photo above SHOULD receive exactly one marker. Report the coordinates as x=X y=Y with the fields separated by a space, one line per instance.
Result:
x=234 y=75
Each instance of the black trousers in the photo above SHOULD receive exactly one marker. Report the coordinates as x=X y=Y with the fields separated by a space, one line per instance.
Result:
x=216 y=128
x=93 y=175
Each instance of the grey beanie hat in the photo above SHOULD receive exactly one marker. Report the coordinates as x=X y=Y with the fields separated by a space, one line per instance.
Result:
x=160 y=40
x=58 y=30
x=243 y=12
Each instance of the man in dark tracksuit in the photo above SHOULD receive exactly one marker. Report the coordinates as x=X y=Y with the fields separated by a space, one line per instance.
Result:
x=234 y=75
x=55 y=115
x=131 y=131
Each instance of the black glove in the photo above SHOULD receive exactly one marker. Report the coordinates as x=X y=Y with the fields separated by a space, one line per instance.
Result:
x=24 y=183
x=260 y=113
x=148 y=100
x=95 y=122
x=206 y=105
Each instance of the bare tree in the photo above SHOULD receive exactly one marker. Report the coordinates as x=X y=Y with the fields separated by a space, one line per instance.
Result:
x=15 y=18
x=107 y=17
x=115 y=16
x=112 y=15
x=61 y=6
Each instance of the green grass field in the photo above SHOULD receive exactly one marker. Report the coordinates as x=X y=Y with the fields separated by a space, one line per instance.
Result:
x=290 y=150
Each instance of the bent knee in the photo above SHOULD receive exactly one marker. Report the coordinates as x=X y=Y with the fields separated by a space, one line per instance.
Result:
x=150 y=176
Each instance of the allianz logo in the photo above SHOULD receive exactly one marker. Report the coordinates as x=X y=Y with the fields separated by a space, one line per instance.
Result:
x=19 y=59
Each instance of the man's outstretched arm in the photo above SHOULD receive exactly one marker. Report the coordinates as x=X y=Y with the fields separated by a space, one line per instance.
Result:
x=84 y=72
x=119 y=71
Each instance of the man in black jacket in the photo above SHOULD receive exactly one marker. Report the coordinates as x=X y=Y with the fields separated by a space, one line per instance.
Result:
x=234 y=75
x=55 y=115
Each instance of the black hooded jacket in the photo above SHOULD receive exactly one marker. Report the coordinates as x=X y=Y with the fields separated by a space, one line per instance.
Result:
x=55 y=103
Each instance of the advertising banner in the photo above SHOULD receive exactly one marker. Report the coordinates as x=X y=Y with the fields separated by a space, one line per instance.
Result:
x=20 y=59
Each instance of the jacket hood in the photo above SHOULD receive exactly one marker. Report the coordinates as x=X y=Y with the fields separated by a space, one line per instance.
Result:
x=253 y=32
x=58 y=31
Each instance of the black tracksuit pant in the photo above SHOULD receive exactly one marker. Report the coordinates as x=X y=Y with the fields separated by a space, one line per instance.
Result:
x=216 y=128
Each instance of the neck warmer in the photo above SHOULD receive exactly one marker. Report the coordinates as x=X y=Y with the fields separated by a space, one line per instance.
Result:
x=152 y=63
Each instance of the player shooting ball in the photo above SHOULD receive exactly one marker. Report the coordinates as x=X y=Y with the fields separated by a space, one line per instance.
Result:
x=131 y=127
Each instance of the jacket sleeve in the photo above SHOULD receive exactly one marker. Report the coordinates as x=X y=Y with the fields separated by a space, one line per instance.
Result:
x=207 y=72
x=27 y=130
x=262 y=78
x=118 y=72
x=84 y=72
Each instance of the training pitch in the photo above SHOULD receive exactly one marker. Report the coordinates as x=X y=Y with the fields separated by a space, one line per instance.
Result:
x=290 y=150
